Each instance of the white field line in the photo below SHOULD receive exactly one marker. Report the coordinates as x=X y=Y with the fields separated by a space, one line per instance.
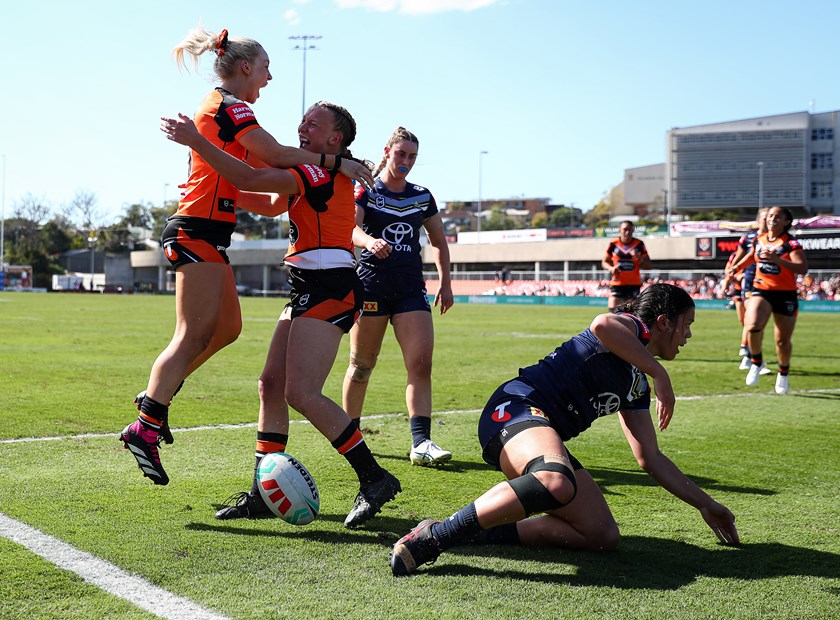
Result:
x=104 y=575
x=380 y=416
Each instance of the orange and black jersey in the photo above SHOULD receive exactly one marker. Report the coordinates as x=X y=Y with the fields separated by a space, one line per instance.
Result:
x=628 y=258
x=222 y=119
x=321 y=220
x=770 y=276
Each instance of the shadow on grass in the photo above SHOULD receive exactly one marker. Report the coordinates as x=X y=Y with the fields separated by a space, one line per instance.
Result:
x=606 y=478
x=647 y=563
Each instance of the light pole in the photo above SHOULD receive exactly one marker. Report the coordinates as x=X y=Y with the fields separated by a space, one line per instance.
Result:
x=303 y=47
x=481 y=155
x=91 y=241
x=165 y=187
x=760 y=185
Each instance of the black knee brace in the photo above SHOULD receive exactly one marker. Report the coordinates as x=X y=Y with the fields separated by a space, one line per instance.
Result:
x=532 y=494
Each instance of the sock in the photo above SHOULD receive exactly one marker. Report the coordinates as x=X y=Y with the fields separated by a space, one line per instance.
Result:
x=421 y=429
x=351 y=445
x=266 y=444
x=152 y=414
x=457 y=529
x=357 y=422
x=756 y=358
x=784 y=370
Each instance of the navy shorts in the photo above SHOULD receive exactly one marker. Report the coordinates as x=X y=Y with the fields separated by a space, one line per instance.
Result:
x=625 y=292
x=387 y=294
x=506 y=415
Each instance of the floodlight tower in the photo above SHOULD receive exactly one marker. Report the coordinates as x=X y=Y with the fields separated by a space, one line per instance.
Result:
x=303 y=47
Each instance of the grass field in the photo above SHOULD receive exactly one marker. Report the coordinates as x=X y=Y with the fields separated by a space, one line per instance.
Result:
x=70 y=366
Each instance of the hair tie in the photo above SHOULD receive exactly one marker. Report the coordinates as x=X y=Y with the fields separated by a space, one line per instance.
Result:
x=223 y=42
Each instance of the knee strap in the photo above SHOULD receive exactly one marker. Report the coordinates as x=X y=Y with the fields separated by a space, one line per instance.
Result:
x=358 y=373
x=532 y=494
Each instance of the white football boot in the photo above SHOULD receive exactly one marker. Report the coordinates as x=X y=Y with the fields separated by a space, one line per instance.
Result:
x=429 y=453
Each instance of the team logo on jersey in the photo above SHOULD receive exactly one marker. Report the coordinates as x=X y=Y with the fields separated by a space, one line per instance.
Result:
x=396 y=233
x=370 y=306
x=293 y=232
x=226 y=205
x=501 y=414
x=304 y=299
x=606 y=403
x=380 y=201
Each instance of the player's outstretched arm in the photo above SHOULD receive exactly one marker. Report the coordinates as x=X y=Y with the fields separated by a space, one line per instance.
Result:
x=640 y=434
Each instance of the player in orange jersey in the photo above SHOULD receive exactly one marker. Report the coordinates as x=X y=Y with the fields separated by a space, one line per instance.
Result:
x=624 y=259
x=195 y=239
x=779 y=257
x=326 y=301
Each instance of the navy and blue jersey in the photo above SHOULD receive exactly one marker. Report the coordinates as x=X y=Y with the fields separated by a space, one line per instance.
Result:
x=396 y=217
x=581 y=381
x=747 y=242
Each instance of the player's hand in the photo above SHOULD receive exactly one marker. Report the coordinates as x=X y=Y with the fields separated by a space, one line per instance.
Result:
x=356 y=171
x=444 y=298
x=722 y=521
x=665 y=399
x=379 y=248
x=181 y=130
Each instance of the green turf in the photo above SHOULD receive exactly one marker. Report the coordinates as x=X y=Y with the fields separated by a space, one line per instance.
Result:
x=72 y=364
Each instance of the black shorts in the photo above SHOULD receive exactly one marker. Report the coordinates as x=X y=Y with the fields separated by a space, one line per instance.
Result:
x=188 y=240
x=332 y=295
x=388 y=293
x=785 y=303
x=625 y=292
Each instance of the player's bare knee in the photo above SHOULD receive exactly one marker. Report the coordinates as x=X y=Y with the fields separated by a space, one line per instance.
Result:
x=605 y=539
x=359 y=370
x=547 y=483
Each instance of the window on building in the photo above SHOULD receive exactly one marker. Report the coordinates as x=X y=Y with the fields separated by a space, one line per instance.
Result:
x=821 y=190
x=822 y=161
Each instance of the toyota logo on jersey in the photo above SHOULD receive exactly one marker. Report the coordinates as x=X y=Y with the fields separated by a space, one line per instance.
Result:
x=395 y=233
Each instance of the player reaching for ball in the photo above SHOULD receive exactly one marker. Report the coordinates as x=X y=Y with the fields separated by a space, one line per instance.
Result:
x=525 y=425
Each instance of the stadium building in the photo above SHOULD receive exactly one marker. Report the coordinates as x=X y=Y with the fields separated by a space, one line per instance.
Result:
x=786 y=160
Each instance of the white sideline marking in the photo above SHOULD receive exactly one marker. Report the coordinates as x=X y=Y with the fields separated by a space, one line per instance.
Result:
x=378 y=416
x=105 y=575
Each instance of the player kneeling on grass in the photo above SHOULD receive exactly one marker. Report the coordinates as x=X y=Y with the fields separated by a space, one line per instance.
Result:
x=527 y=421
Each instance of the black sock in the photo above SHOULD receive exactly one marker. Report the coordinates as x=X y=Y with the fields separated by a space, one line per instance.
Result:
x=756 y=358
x=357 y=422
x=421 y=429
x=351 y=445
x=457 y=529
x=784 y=370
x=152 y=414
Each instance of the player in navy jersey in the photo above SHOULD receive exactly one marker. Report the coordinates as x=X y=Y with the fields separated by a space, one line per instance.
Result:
x=389 y=219
x=525 y=425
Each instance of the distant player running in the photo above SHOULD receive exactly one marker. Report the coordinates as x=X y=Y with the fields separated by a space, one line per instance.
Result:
x=779 y=258
x=624 y=259
x=528 y=421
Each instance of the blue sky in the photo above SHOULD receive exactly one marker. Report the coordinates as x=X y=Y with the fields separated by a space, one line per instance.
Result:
x=563 y=95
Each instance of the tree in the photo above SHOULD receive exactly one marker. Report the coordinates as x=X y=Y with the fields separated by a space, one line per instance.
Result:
x=498 y=220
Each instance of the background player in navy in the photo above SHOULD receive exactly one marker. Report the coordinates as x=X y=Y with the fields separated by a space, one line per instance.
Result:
x=388 y=223
x=525 y=425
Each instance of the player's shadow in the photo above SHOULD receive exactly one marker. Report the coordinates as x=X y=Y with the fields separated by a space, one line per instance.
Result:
x=608 y=478
x=645 y=563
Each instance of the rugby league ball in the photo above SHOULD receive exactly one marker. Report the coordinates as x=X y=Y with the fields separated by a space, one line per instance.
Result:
x=288 y=488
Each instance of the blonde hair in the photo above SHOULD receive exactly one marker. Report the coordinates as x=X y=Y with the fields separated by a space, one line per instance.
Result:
x=229 y=50
x=400 y=133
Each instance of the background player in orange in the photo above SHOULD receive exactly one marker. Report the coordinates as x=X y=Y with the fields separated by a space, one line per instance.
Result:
x=194 y=240
x=389 y=219
x=779 y=257
x=624 y=259
x=326 y=300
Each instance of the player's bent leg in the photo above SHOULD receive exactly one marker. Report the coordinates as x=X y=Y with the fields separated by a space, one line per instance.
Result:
x=585 y=523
